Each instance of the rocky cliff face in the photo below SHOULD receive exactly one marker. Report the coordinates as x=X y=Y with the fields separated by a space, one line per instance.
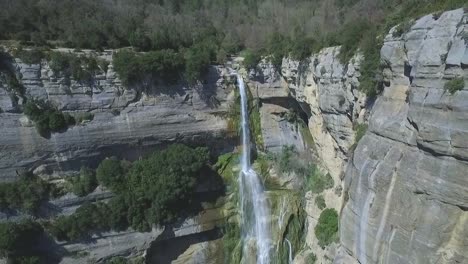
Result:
x=407 y=184
x=325 y=94
x=126 y=123
x=405 y=187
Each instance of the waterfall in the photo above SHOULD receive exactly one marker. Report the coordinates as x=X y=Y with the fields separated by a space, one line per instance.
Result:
x=254 y=208
x=290 y=252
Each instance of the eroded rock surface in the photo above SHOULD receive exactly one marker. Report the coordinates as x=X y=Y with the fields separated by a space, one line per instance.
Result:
x=407 y=182
x=126 y=123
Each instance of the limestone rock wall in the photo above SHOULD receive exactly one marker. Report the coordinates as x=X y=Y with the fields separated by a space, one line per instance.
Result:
x=325 y=92
x=127 y=122
x=407 y=182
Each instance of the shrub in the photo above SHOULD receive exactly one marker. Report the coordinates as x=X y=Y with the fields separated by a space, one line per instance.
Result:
x=84 y=183
x=59 y=63
x=311 y=258
x=27 y=194
x=370 y=81
x=47 y=118
x=360 y=132
x=86 y=219
x=80 y=68
x=126 y=66
x=454 y=85
x=56 y=121
x=320 y=202
x=165 y=65
x=197 y=60
x=278 y=47
x=251 y=59
x=318 y=182
x=350 y=38
x=326 y=229
x=32 y=56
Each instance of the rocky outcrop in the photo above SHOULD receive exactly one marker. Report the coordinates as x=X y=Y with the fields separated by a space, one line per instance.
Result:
x=327 y=92
x=407 y=184
x=127 y=122
x=323 y=93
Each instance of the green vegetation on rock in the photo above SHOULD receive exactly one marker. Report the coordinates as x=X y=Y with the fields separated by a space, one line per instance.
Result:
x=84 y=183
x=26 y=194
x=155 y=190
x=232 y=243
x=31 y=56
x=47 y=118
x=251 y=59
x=326 y=229
x=317 y=182
x=320 y=202
x=111 y=173
x=69 y=65
x=360 y=132
x=165 y=65
x=455 y=85
x=19 y=241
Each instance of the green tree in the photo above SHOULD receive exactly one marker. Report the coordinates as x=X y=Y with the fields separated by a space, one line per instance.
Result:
x=110 y=173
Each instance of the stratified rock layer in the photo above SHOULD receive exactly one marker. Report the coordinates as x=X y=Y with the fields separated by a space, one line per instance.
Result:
x=407 y=181
x=127 y=122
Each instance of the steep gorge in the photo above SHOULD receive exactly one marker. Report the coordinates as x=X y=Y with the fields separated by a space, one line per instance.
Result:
x=401 y=191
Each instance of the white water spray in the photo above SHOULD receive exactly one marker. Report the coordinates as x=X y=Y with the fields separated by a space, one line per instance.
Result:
x=290 y=251
x=254 y=206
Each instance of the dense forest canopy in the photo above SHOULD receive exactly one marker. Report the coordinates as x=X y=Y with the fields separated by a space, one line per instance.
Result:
x=171 y=24
x=186 y=36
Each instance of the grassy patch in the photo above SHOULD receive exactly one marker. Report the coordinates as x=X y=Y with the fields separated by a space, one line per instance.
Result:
x=326 y=229
x=454 y=85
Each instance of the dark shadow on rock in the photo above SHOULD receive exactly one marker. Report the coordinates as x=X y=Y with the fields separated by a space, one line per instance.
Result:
x=49 y=250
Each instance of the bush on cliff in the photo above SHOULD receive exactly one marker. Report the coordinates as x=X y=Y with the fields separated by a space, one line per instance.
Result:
x=326 y=229
x=84 y=183
x=47 y=118
x=26 y=194
x=455 y=85
x=166 y=65
x=317 y=182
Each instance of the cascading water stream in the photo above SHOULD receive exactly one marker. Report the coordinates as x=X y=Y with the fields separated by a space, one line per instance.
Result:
x=254 y=208
x=290 y=252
